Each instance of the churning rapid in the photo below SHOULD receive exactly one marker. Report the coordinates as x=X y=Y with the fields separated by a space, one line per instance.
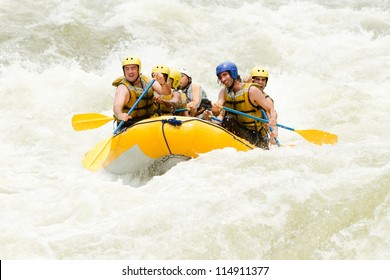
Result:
x=329 y=70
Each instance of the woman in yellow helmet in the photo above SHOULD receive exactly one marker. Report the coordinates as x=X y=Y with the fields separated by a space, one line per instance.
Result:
x=131 y=87
x=166 y=104
x=174 y=83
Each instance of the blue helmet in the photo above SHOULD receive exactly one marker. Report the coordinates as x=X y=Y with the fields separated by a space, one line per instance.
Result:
x=227 y=66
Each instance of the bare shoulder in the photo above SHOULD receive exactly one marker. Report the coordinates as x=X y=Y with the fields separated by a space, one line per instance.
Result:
x=122 y=89
x=221 y=94
x=254 y=90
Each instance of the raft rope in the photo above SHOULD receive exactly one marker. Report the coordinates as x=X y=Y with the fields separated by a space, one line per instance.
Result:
x=174 y=122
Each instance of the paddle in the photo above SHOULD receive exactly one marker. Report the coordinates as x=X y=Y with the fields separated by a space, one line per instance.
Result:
x=181 y=110
x=314 y=136
x=270 y=128
x=89 y=121
x=95 y=158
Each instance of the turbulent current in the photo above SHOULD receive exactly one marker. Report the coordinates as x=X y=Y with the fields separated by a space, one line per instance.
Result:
x=329 y=67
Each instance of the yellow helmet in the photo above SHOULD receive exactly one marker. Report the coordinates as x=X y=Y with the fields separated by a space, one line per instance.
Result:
x=132 y=60
x=176 y=76
x=163 y=69
x=259 y=72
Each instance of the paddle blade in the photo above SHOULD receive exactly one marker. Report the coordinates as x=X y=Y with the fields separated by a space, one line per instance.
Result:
x=89 y=121
x=318 y=137
x=95 y=158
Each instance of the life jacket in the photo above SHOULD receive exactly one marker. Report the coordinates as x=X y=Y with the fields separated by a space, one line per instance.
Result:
x=240 y=101
x=189 y=94
x=182 y=106
x=162 y=108
x=145 y=107
x=183 y=100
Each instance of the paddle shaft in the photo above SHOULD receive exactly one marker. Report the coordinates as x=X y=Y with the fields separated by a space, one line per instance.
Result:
x=181 y=110
x=134 y=106
x=314 y=136
x=255 y=118
x=216 y=119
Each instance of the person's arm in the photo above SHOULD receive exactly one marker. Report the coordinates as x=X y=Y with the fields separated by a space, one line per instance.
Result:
x=257 y=97
x=161 y=87
x=247 y=79
x=174 y=101
x=274 y=131
x=216 y=109
x=183 y=103
x=171 y=103
x=122 y=97
x=271 y=102
x=196 y=96
x=194 y=103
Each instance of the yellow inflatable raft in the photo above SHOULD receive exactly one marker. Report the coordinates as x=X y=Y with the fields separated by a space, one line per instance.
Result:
x=166 y=138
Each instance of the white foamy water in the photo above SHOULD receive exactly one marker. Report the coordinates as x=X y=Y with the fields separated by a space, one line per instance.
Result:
x=329 y=70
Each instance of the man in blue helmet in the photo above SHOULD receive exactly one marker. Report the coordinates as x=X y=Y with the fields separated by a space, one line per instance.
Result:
x=243 y=97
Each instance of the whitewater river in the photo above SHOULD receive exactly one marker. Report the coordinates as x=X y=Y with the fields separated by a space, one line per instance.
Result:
x=329 y=67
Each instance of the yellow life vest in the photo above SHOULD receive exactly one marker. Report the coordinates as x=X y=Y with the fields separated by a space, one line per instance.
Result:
x=183 y=100
x=182 y=103
x=240 y=101
x=163 y=108
x=117 y=81
x=145 y=107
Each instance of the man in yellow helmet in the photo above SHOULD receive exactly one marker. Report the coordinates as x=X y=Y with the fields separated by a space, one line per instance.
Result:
x=131 y=87
x=259 y=75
